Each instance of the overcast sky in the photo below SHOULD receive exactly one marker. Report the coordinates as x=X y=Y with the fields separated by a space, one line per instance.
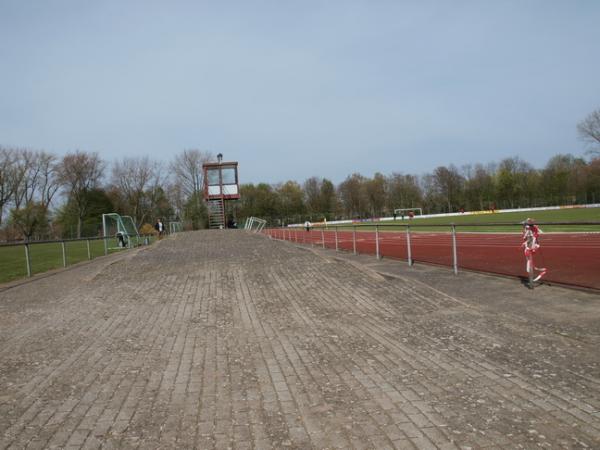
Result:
x=293 y=89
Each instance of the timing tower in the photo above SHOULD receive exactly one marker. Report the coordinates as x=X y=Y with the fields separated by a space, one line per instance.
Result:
x=220 y=186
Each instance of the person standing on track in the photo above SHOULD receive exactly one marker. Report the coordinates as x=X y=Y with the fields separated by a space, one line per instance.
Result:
x=531 y=244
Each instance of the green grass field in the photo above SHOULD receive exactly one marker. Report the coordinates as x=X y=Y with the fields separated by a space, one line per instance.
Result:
x=45 y=257
x=498 y=219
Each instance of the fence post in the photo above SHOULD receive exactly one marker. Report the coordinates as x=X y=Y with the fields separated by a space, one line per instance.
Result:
x=454 y=254
x=323 y=237
x=377 y=242
x=28 y=259
x=105 y=246
x=64 y=253
x=408 y=247
x=336 y=238
x=87 y=241
x=354 y=239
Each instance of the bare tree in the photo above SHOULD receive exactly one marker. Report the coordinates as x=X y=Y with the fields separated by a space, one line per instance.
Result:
x=79 y=173
x=479 y=186
x=187 y=171
x=312 y=194
x=515 y=182
x=49 y=180
x=589 y=128
x=30 y=219
x=328 y=196
x=448 y=183
x=353 y=196
x=403 y=191
x=139 y=182
x=7 y=162
x=25 y=177
x=375 y=190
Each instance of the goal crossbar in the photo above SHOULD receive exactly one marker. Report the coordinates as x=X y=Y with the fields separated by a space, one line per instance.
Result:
x=405 y=211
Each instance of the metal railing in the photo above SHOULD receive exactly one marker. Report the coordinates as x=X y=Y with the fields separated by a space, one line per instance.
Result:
x=48 y=259
x=573 y=257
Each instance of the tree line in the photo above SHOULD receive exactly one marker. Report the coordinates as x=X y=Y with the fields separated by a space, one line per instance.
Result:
x=43 y=195
x=509 y=183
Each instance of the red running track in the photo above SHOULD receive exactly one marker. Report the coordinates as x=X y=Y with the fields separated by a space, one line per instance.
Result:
x=571 y=258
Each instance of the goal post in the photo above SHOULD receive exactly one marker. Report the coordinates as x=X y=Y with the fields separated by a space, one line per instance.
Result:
x=121 y=228
x=406 y=212
x=255 y=224
x=175 y=227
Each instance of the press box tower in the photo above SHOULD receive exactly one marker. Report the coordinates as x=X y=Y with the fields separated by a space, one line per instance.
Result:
x=220 y=186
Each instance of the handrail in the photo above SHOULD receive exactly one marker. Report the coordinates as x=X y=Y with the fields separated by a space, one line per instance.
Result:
x=343 y=237
x=449 y=224
x=58 y=241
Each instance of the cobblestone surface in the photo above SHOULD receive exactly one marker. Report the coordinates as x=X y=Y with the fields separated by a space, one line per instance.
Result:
x=221 y=339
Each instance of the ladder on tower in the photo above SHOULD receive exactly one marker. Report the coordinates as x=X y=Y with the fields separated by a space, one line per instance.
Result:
x=216 y=213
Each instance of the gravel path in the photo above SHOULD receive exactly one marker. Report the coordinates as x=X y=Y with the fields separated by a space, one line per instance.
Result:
x=221 y=339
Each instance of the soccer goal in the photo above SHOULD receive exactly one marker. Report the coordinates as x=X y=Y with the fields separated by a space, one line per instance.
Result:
x=175 y=227
x=122 y=229
x=407 y=212
x=254 y=224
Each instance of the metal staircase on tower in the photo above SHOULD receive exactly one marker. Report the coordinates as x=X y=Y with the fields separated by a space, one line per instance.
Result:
x=216 y=213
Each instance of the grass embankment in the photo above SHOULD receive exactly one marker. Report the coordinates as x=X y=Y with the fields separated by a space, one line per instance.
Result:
x=45 y=257
x=497 y=221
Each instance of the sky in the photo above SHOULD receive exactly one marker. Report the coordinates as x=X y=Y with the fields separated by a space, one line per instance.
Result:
x=299 y=88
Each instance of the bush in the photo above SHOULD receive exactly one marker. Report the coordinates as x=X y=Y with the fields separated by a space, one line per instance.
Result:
x=147 y=229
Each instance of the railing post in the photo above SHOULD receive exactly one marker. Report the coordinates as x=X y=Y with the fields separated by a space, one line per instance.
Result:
x=408 y=248
x=28 y=259
x=64 y=253
x=377 y=242
x=323 y=237
x=336 y=239
x=454 y=253
x=105 y=246
x=87 y=241
x=354 y=239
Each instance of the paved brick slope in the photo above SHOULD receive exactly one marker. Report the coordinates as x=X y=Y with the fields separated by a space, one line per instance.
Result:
x=220 y=339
